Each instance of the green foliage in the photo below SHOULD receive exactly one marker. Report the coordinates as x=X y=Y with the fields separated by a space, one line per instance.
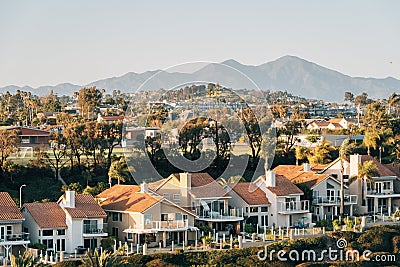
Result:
x=77 y=187
x=349 y=223
x=37 y=246
x=328 y=224
x=105 y=259
x=108 y=243
x=25 y=260
x=249 y=228
x=378 y=239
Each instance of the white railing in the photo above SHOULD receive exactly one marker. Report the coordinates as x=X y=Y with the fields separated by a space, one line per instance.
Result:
x=159 y=225
x=294 y=206
x=14 y=237
x=380 y=192
x=348 y=199
x=229 y=214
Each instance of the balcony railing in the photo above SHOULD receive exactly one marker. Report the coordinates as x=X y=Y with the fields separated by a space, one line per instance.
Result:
x=294 y=206
x=90 y=229
x=380 y=192
x=334 y=200
x=159 y=225
x=230 y=214
x=14 y=237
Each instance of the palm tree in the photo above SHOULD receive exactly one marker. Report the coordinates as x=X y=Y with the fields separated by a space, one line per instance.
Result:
x=394 y=99
x=301 y=153
x=370 y=140
x=366 y=171
x=344 y=152
x=105 y=259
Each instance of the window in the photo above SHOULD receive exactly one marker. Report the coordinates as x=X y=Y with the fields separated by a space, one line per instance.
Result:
x=130 y=236
x=47 y=232
x=114 y=232
x=117 y=217
x=166 y=195
x=185 y=217
x=48 y=243
x=253 y=209
x=60 y=231
x=177 y=197
x=9 y=230
x=147 y=219
x=178 y=216
x=193 y=205
x=60 y=245
x=264 y=209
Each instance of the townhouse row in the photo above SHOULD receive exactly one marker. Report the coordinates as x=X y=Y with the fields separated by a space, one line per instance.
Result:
x=175 y=208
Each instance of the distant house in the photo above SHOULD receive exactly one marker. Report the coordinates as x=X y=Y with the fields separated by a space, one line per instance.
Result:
x=75 y=220
x=12 y=237
x=343 y=122
x=318 y=125
x=31 y=137
x=110 y=119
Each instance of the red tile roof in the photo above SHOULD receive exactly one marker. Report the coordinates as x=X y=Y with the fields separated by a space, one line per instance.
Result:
x=127 y=198
x=204 y=186
x=8 y=208
x=382 y=169
x=250 y=193
x=283 y=186
x=47 y=214
x=85 y=207
x=297 y=176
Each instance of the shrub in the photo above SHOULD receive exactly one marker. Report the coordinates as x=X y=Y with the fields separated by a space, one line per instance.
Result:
x=396 y=244
x=349 y=224
x=325 y=223
x=249 y=228
x=378 y=239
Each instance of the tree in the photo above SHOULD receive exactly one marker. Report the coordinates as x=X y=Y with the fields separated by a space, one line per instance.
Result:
x=73 y=133
x=362 y=100
x=287 y=134
x=105 y=259
x=119 y=170
x=252 y=127
x=321 y=154
x=301 y=154
x=110 y=137
x=394 y=100
x=88 y=100
x=9 y=142
x=59 y=150
x=344 y=152
x=348 y=96
x=366 y=171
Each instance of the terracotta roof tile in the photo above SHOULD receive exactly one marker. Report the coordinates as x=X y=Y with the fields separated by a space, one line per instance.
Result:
x=127 y=198
x=382 y=169
x=250 y=193
x=85 y=207
x=203 y=186
x=297 y=176
x=8 y=208
x=47 y=215
x=283 y=186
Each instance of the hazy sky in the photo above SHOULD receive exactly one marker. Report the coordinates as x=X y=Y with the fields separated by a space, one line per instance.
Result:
x=49 y=42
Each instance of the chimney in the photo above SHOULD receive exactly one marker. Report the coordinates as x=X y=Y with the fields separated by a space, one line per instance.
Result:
x=270 y=179
x=185 y=180
x=307 y=167
x=354 y=161
x=144 y=187
x=70 y=199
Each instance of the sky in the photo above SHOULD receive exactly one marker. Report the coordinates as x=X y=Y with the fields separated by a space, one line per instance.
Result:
x=47 y=42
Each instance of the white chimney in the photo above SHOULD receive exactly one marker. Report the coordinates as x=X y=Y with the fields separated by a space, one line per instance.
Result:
x=354 y=161
x=144 y=187
x=185 y=180
x=70 y=199
x=307 y=167
x=270 y=179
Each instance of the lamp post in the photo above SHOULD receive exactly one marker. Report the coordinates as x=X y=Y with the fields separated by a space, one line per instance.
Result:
x=20 y=195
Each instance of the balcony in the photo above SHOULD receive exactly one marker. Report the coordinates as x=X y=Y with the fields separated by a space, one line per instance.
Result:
x=93 y=230
x=232 y=215
x=334 y=200
x=384 y=193
x=14 y=239
x=165 y=225
x=293 y=207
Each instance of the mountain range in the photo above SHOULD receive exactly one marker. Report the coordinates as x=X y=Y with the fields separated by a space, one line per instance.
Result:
x=288 y=73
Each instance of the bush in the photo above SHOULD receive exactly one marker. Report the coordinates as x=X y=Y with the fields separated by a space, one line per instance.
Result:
x=249 y=228
x=349 y=224
x=378 y=239
x=37 y=246
x=396 y=244
x=325 y=223
x=108 y=243
x=75 y=263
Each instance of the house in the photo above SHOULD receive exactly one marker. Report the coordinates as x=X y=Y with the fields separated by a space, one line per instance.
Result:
x=252 y=200
x=334 y=126
x=323 y=190
x=75 y=220
x=382 y=195
x=110 y=119
x=204 y=196
x=47 y=225
x=287 y=209
x=318 y=125
x=31 y=137
x=343 y=122
x=12 y=237
x=137 y=215
x=379 y=196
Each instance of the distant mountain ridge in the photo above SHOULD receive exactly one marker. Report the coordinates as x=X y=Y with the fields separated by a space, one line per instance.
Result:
x=288 y=73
